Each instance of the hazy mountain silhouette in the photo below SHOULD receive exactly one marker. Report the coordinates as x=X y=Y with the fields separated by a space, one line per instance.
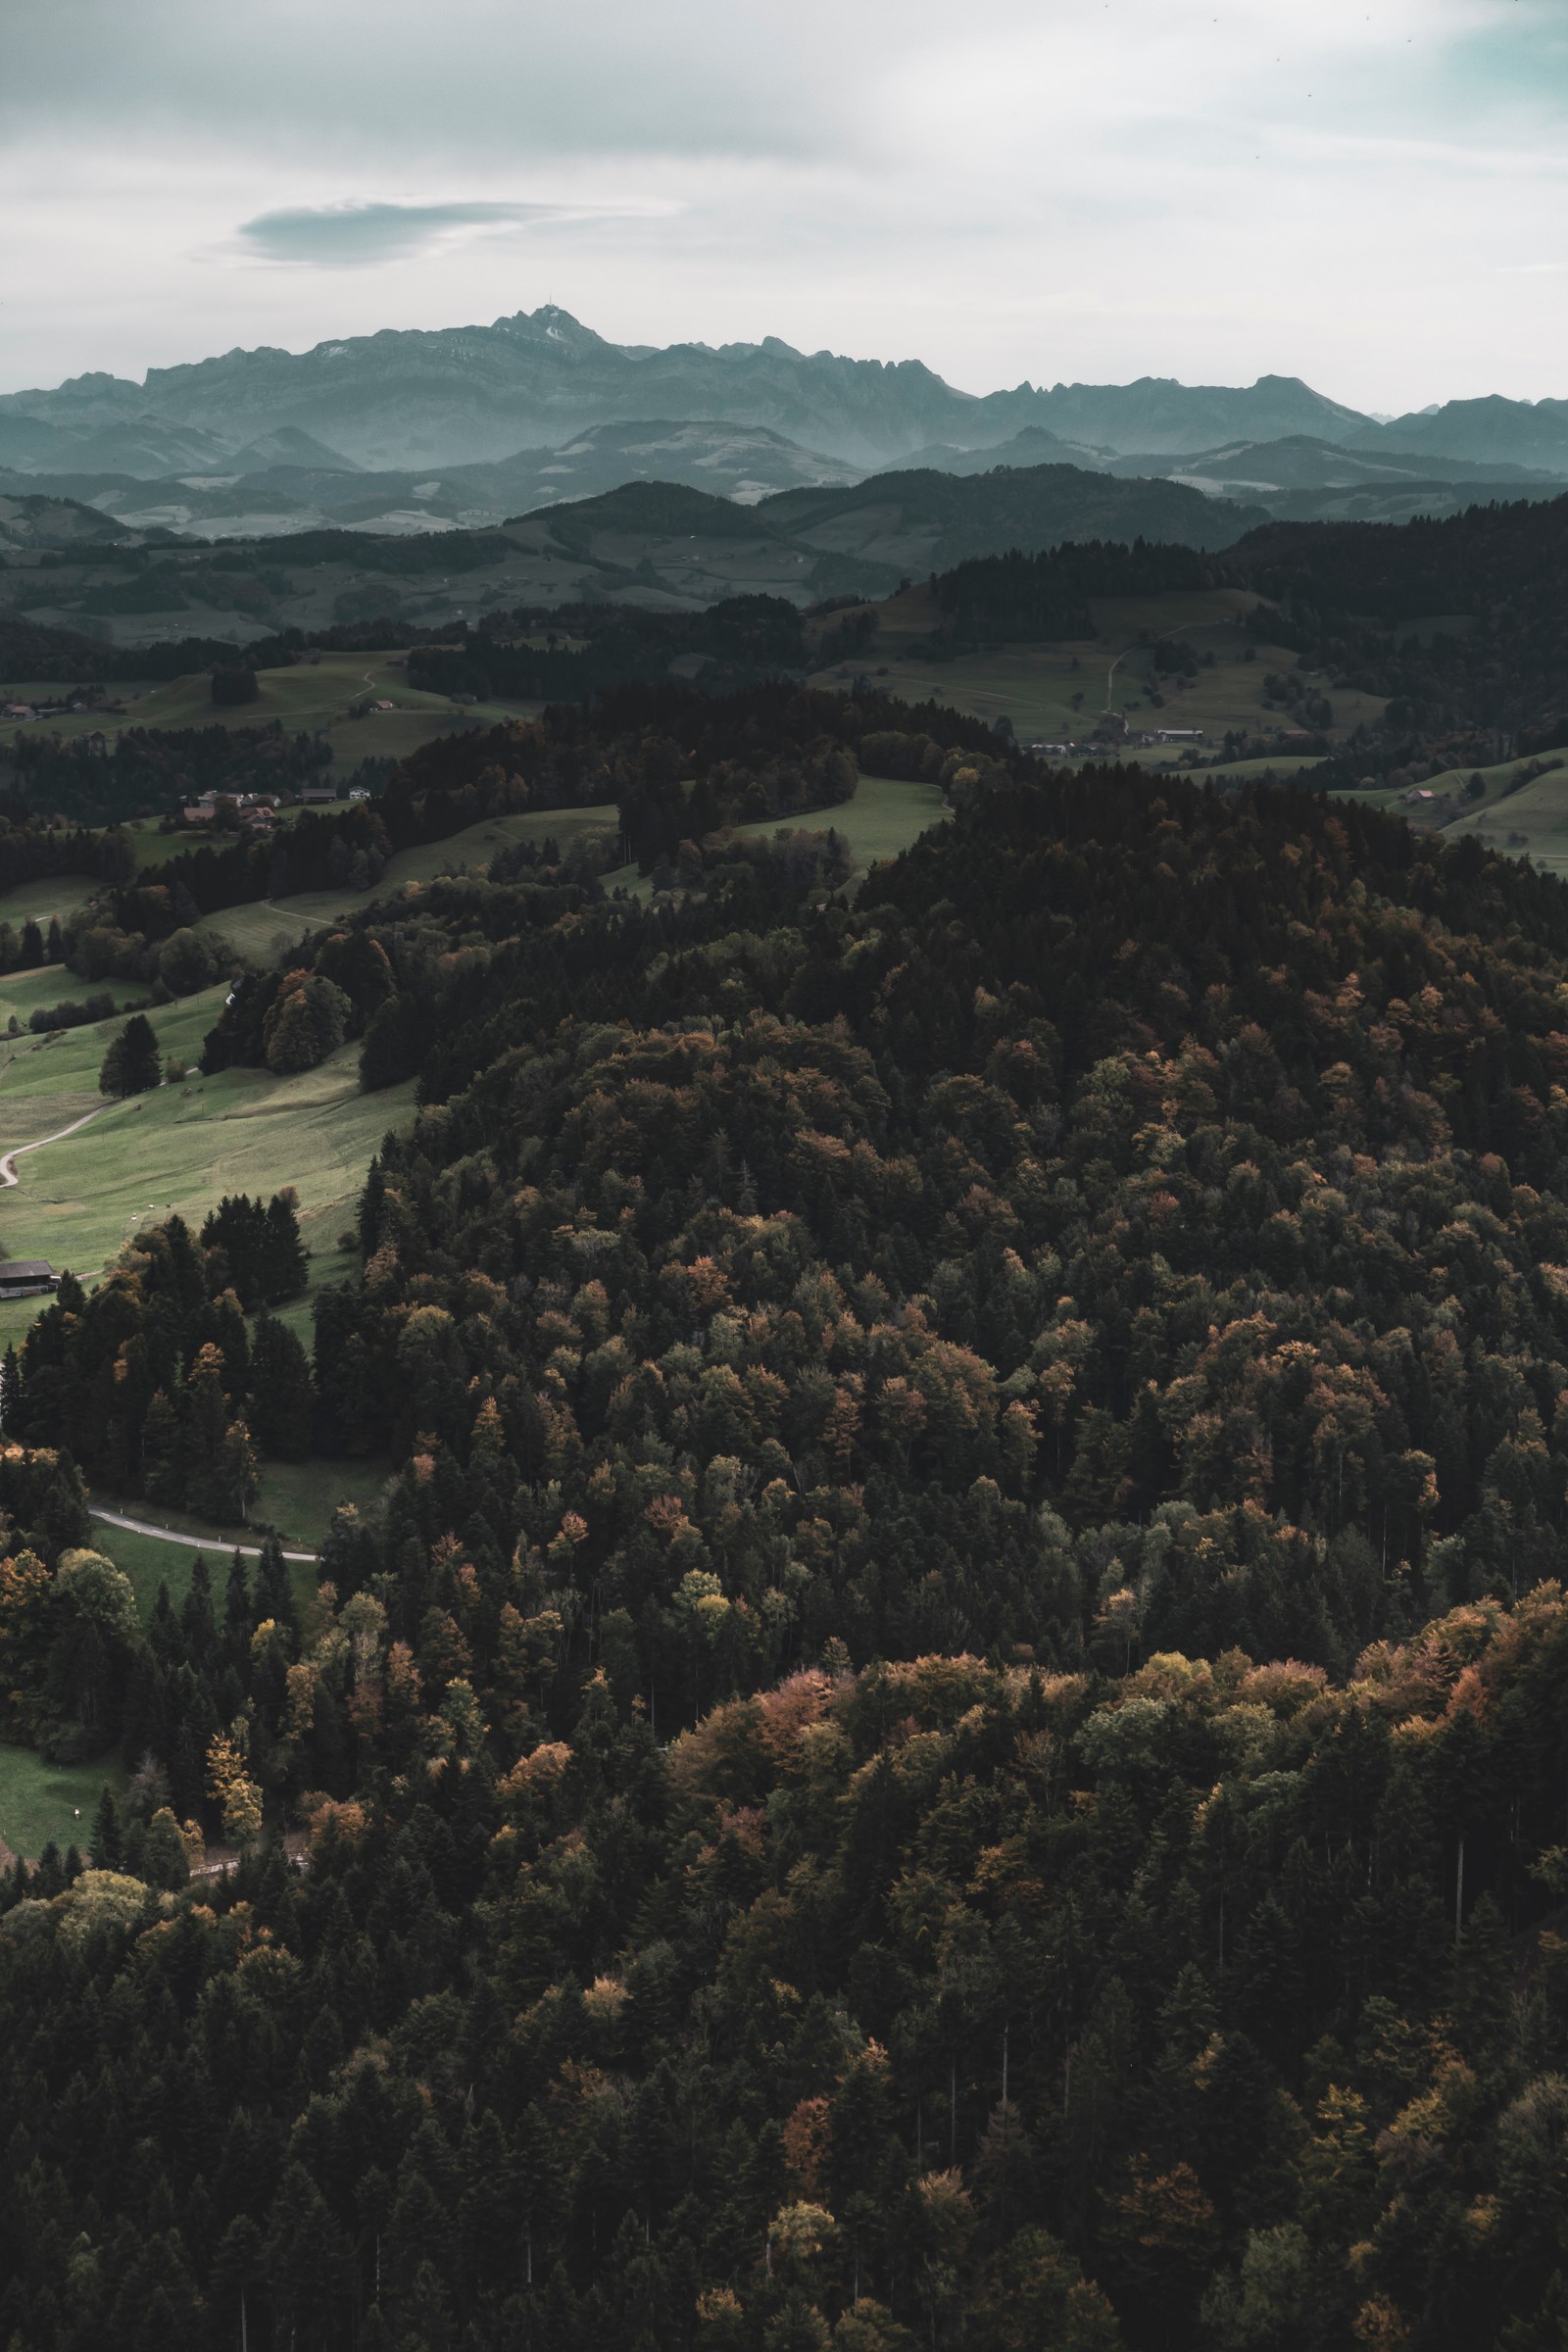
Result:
x=413 y=398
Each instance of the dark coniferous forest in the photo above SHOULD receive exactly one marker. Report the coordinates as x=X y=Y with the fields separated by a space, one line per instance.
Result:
x=952 y=1731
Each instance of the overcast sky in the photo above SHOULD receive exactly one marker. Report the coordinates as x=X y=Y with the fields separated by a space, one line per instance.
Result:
x=1372 y=194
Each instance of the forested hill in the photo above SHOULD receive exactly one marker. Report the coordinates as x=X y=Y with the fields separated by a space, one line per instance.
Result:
x=951 y=1731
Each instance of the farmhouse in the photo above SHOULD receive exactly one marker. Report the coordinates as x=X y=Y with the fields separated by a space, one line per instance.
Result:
x=22 y=1277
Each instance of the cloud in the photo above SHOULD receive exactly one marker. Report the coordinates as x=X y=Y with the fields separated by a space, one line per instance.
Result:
x=1077 y=188
x=360 y=235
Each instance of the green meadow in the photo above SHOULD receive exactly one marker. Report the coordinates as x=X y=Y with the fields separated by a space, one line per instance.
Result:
x=885 y=815
x=179 y=1147
x=266 y=929
x=312 y=695
x=36 y=902
x=41 y=1801
x=1035 y=685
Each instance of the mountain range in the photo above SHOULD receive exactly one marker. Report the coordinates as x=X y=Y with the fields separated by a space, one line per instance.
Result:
x=414 y=400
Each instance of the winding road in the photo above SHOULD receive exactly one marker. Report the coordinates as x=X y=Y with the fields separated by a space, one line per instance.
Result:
x=8 y=1159
x=167 y=1534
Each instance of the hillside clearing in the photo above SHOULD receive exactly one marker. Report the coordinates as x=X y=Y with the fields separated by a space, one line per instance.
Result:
x=886 y=815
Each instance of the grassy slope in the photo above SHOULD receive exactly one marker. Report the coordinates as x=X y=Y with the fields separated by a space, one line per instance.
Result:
x=295 y=1498
x=1516 y=813
x=265 y=929
x=1523 y=817
x=23 y=993
x=309 y=697
x=1033 y=684
x=181 y=1148
x=36 y=902
x=885 y=815
x=39 y=1801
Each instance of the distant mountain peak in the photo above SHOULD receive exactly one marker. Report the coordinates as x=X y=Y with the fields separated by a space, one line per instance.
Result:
x=423 y=399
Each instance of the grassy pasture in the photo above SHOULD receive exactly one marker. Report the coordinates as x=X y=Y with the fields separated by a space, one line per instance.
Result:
x=39 y=1800
x=25 y=993
x=297 y=1498
x=1520 y=814
x=1530 y=819
x=885 y=815
x=36 y=902
x=306 y=696
x=1295 y=765
x=1033 y=685
x=266 y=928
x=149 y=1562
x=181 y=1148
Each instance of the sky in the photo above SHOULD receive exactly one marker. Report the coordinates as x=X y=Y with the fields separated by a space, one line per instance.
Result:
x=1372 y=194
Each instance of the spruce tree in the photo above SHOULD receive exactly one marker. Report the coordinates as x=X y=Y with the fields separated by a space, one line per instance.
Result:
x=239 y=1618
x=283 y=1251
x=189 y=1274
x=274 y=1593
x=196 y=1620
x=163 y=1469
x=131 y=1065
x=282 y=1403
x=108 y=1836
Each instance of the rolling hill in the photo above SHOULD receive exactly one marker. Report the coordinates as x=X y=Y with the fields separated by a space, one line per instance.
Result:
x=661 y=544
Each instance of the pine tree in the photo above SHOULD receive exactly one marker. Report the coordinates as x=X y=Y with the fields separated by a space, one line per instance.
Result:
x=224 y=1325
x=234 y=1238
x=226 y=1488
x=283 y=1251
x=131 y=1065
x=274 y=1593
x=108 y=1836
x=196 y=1620
x=163 y=1469
x=188 y=1272
x=207 y=1419
x=283 y=1404
x=239 y=1618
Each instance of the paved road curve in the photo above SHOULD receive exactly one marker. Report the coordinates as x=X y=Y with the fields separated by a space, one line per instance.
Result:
x=167 y=1535
x=8 y=1163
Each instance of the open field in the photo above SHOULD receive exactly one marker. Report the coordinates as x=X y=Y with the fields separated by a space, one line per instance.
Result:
x=179 y=1147
x=36 y=902
x=1035 y=685
x=150 y=1563
x=1523 y=816
x=1517 y=812
x=23 y=994
x=296 y=1499
x=885 y=815
x=313 y=697
x=39 y=1800
x=1297 y=765
x=264 y=929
